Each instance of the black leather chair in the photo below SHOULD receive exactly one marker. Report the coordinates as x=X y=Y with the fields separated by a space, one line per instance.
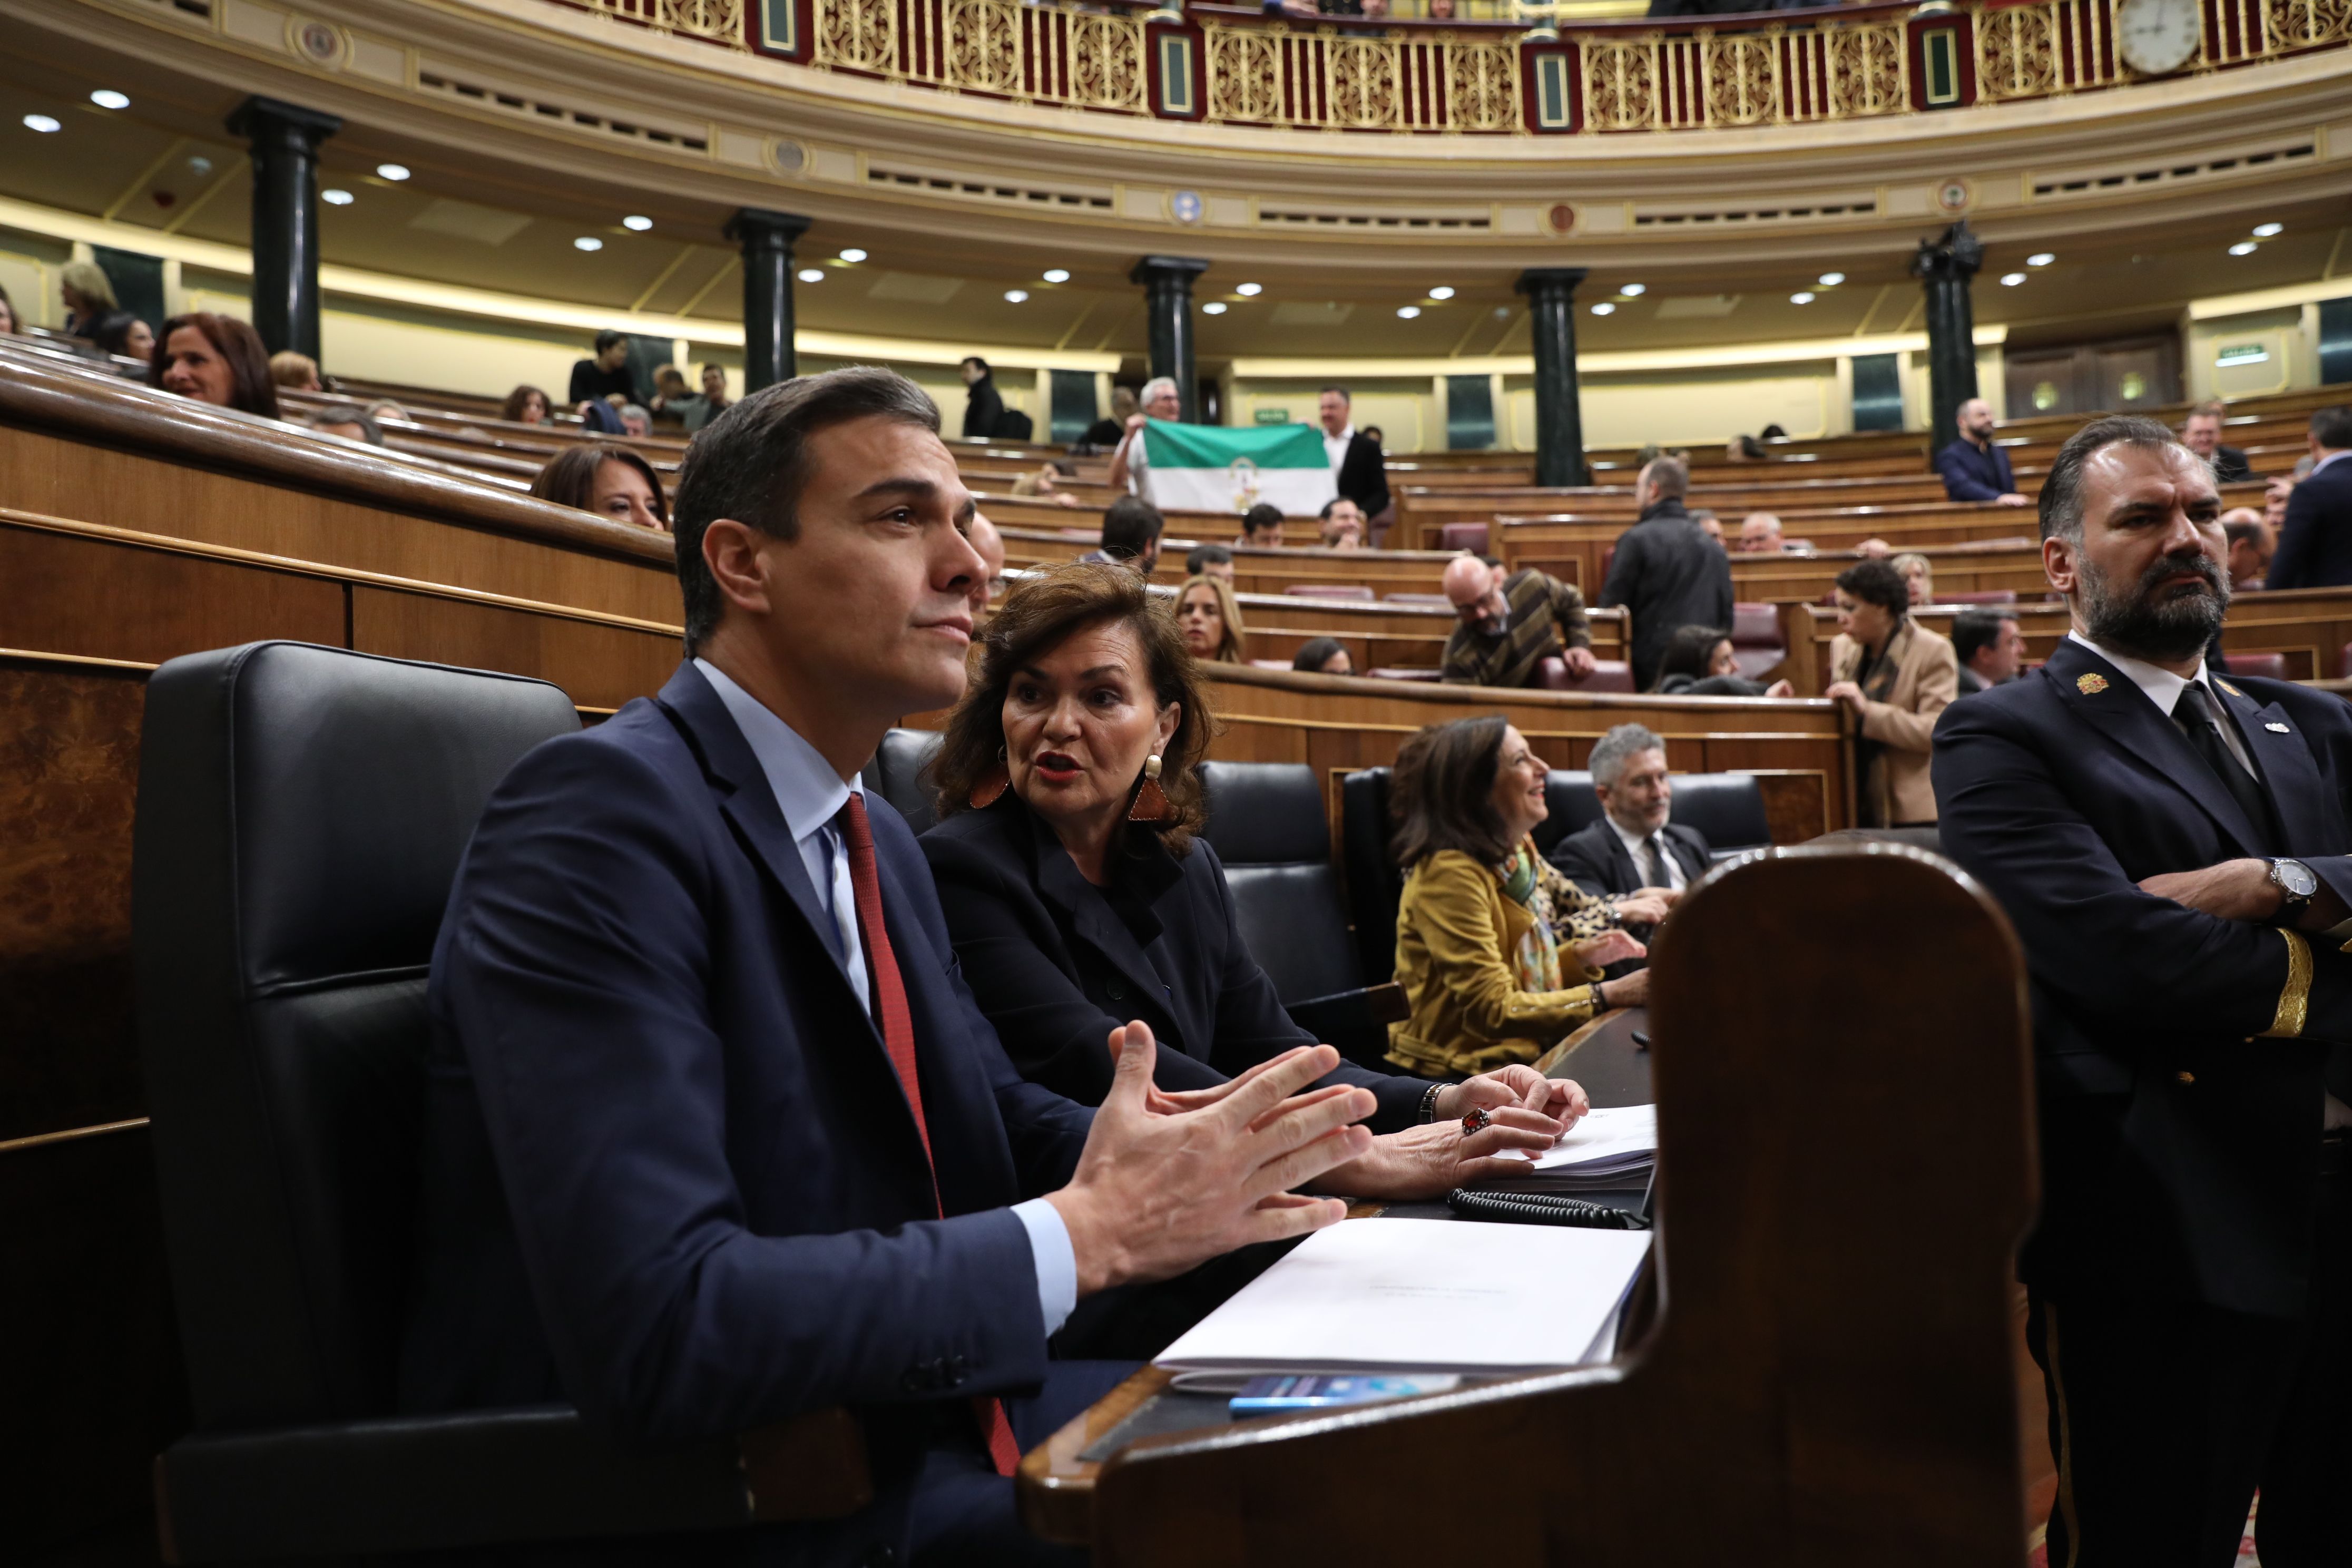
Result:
x=301 y=815
x=1268 y=822
x=1374 y=884
x=896 y=774
x=1728 y=808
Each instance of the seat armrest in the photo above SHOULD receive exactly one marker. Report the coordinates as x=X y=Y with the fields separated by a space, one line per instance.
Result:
x=475 y=1478
x=1357 y=1022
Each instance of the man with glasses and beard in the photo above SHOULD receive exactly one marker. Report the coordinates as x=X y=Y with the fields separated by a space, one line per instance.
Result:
x=2172 y=847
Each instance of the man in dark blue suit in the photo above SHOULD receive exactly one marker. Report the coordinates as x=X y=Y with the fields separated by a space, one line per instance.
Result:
x=2173 y=850
x=716 y=1136
x=2315 y=545
x=1972 y=467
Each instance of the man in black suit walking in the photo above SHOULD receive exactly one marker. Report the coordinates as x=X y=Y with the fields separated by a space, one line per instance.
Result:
x=1666 y=573
x=2173 y=849
x=2314 y=546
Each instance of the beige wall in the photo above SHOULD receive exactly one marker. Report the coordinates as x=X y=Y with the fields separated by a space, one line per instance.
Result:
x=1406 y=408
x=2288 y=338
x=28 y=272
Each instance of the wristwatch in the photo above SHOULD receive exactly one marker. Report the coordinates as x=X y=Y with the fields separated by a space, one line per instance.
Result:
x=2295 y=881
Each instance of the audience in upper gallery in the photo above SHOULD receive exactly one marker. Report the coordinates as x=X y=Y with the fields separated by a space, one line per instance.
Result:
x=214 y=359
x=598 y=417
x=2253 y=543
x=125 y=335
x=295 y=372
x=1130 y=465
x=384 y=408
x=605 y=378
x=1771 y=433
x=1358 y=468
x=1210 y=561
x=348 y=420
x=1262 y=526
x=2201 y=434
x=1044 y=484
x=636 y=421
x=1340 y=525
x=696 y=409
x=527 y=404
x=1665 y=573
x=1700 y=661
x=669 y=390
x=1918 y=574
x=1210 y=621
x=1509 y=623
x=9 y=325
x=89 y=295
x=2314 y=546
x=1079 y=896
x=1972 y=467
x=1760 y=534
x=1989 y=647
x=1105 y=433
x=1633 y=851
x=1897 y=675
x=612 y=481
x=1499 y=955
x=1131 y=527
x=1744 y=449
x=1323 y=656
x=983 y=408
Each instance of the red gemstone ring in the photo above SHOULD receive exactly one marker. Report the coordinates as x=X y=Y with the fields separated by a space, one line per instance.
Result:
x=1476 y=1120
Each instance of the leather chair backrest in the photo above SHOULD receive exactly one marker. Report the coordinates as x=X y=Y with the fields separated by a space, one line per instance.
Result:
x=1375 y=885
x=1469 y=536
x=2264 y=665
x=1567 y=793
x=896 y=774
x=1755 y=626
x=1268 y=822
x=301 y=815
x=1608 y=675
x=1728 y=808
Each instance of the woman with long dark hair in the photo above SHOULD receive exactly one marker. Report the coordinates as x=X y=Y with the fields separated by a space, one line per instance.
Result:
x=612 y=481
x=214 y=359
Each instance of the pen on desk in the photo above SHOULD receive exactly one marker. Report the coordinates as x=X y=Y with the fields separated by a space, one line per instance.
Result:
x=1641 y=1039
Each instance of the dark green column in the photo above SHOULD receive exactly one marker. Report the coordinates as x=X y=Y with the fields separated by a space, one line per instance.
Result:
x=285 y=140
x=767 y=240
x=1945 y=267
x=1560 y=420
x=1167 y=306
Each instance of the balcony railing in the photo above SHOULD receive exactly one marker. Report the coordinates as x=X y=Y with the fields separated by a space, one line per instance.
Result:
x=1227 y=64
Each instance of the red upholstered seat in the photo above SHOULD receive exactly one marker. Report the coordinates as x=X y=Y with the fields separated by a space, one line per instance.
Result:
x=1980 y=596
x=2267 y=666
x=1470 y=536
x=1755 y=626
x=1405 y=673
x=1329 y=591
x=1608 y=675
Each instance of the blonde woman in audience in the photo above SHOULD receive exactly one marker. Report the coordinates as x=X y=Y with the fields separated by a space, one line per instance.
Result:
x=89 y=295
x=214 y=359
x=295 y=372
x=614 y=482
x=1210 y=620
x=1498 y=954
x=526 y=405
x=1918 y=575
x=1896 y=676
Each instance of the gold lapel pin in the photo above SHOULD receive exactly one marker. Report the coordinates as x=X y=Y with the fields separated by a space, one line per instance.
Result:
x=2230 y=689
x=2276 y=729
x=2091 y=685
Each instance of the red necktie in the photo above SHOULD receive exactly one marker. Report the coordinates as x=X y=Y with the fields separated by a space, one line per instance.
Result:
x=898 y=1039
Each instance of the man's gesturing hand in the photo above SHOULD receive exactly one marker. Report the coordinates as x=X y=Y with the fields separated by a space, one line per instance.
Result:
x=1156 y=1192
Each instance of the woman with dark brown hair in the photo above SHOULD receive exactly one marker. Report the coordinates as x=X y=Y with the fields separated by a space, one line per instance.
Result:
x=614 y=482
x=526 y=405
x=1484 y=919
x=1079 y=897
x=214 y=359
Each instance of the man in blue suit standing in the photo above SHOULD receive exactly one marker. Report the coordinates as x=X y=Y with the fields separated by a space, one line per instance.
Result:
x=2314 y=543
x=1972 y=467
x=716 y=1136
x=2174 y=851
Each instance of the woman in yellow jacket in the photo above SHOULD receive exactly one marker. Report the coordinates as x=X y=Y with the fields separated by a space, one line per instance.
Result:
x=1498 y=954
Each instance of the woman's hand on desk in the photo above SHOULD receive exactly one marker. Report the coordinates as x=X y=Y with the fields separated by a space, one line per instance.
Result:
x=1601 y=952
x=1431 y=1160
x=1561 y=1099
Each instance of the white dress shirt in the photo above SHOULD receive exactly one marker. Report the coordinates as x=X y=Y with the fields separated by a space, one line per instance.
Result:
x=811 y=795
x=1671 y=874
x=1336 y=446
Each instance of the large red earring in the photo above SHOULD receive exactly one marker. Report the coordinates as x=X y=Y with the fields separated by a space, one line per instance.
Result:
x=1151 y=800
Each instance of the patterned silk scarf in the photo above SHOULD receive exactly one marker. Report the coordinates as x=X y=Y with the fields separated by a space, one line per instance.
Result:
x=1537 y=958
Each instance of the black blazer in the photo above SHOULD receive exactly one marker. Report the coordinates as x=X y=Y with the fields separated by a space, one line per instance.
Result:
x=1595 y=859
x=2179 y=1144
x=1668 y=575
x=2315 y=547
x=1056 y=969
x=1364 y=475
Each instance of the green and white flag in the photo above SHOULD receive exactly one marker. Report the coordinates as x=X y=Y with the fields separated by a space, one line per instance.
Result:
x=1217 y=467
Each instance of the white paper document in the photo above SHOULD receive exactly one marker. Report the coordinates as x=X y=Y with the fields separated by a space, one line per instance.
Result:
x=1619 y=1138
x=1439 y=1296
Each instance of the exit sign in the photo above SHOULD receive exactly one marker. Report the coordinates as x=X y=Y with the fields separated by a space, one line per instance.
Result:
x=1273 y=416
x=2241 y=353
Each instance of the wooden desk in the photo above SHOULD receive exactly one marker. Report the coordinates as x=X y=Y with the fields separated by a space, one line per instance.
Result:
x=1605 y=1060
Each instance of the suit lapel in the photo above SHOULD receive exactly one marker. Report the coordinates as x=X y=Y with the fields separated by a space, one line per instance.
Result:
x=1629 y=871
x=1695 y=861
x=2297 y=793
x=1097 y=924
x=2106 y=698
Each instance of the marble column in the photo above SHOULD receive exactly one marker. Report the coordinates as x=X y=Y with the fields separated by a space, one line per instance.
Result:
x=767 y=238
x=285 y=140
x=1560 y=420
x=1944 y=268
x=1167 y=306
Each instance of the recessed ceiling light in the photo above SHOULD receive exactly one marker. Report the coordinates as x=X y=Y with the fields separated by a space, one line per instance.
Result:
x=394 y=171
x=1802 y=297
x=336 y=198
x=107 y=97
x=2265 y=230
x=2040 y=259
x=2244 y=247
x=853 y=255
x=1632 y=290
x=42 y=124
x=1604 y=309
x=812 y=274
x=2011 y=279
x=1832 y=280
x=587 y=242
x=1057 y=275
x=1214 y=308
x=1247 y=289
x=1441 y=292
x=1015 y=296
x=1407 y=312
x=637 y=223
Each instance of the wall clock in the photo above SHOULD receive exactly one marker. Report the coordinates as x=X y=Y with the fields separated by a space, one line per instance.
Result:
x=2157 y=38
